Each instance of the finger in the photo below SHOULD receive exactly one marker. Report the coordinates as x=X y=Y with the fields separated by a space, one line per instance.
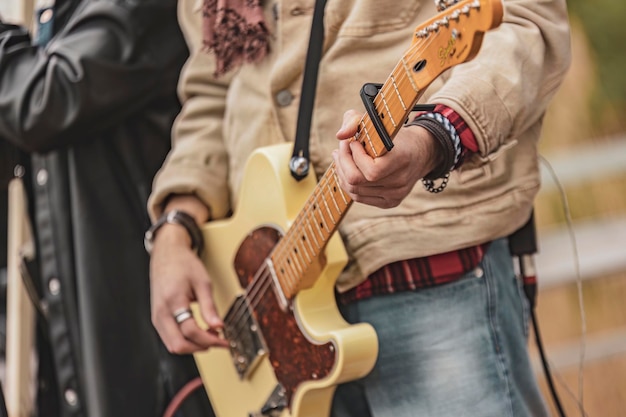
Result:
x=174 y=340
x=373 y=169
x=350 y=124
x=385 y=200
x=354 y=183
x=373 y=200
x=204 y=297
x=347 y=170
x=206 y=338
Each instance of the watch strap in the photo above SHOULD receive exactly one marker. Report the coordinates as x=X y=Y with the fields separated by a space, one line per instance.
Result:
x=176 y=217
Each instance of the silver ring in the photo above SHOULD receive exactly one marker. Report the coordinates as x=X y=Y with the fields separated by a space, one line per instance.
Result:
x=182 y=314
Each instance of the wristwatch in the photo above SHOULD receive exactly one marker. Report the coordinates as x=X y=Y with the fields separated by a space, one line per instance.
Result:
x=176 y=217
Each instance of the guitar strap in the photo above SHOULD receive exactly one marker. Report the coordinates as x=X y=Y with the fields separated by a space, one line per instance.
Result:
x=300 y=163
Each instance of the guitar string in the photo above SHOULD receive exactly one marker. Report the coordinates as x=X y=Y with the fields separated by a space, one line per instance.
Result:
x=258 y=286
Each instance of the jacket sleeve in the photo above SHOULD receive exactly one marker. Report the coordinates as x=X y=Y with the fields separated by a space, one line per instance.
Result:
x=198 y=161
x=103 y=65
x=507 y=87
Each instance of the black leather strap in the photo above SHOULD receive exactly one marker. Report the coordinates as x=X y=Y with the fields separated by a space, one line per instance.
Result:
x=176 y=217
x=299 y=163
x=444 y=146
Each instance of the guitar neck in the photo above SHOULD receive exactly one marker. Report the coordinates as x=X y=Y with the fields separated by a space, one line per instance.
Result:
x=451 y=37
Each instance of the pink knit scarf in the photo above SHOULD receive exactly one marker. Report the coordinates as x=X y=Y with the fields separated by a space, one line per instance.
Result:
x=235 y=31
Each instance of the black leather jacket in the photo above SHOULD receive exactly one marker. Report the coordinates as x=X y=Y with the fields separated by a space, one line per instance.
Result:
x=93 y=107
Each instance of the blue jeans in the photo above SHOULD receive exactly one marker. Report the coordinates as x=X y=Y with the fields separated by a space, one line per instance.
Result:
x=455 y=350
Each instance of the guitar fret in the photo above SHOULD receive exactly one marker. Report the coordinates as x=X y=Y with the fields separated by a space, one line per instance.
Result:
x=395 y=87
x=317 y=212
x=303 y=249
x=369 y=139
x=308 y=223
x=298 y=245
x=322 y=223
x=333 y=191
x=281 y=273
x=314 y=227
x=287 y=271
x=341 y=192
x=294 y=258
x=296 y=263
x=407 y=70
x=381 y=94
x=407 y=85
x=330 y=214
x=305 y=239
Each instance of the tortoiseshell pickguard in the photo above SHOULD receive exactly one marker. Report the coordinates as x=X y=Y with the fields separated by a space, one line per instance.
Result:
x=294 y=358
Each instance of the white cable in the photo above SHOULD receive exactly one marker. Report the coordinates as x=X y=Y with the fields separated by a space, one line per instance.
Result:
x=579 y=284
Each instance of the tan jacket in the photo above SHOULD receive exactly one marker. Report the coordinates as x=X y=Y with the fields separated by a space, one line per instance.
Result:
x=502 y=94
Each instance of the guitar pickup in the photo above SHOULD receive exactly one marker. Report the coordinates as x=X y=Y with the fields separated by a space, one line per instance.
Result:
x=246 y=343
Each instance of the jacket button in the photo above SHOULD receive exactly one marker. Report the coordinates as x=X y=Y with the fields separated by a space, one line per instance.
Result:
x=284 y=98
x=54 y=286
x=70 y=397
x=42 y=177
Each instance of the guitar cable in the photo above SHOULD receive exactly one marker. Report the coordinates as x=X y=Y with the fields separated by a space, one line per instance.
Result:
x=181 y=396
x=523 y=245
x=581 y=306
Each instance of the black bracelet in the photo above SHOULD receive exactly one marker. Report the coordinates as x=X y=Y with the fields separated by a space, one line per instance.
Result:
x=444 y=145
x=181 y=218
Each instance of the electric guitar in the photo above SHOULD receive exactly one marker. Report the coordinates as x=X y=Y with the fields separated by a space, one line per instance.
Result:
x=275 y=264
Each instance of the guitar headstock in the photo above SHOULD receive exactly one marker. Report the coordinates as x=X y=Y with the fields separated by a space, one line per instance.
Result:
x=450 y=38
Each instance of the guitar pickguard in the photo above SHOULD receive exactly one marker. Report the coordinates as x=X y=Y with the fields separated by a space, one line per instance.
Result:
x=293 y=356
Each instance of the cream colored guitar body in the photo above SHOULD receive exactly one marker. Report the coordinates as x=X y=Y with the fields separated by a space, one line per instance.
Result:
x=270 y=196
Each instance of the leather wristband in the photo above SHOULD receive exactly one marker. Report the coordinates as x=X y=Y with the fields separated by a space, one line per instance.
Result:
x=176 y=217
x=444 y=145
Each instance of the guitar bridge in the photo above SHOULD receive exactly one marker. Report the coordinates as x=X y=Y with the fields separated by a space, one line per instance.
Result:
x=246 y=343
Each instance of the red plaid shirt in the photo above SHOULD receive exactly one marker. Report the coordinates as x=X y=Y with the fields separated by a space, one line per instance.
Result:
x=412 y=274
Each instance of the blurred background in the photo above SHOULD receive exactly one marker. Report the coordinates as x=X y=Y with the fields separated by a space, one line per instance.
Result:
x=580 y=217
x=581 y=306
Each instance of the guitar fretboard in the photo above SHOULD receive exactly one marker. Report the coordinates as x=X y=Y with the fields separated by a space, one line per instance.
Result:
x=443 y=41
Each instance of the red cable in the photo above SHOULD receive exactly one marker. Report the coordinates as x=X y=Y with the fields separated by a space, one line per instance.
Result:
x=182 y=395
